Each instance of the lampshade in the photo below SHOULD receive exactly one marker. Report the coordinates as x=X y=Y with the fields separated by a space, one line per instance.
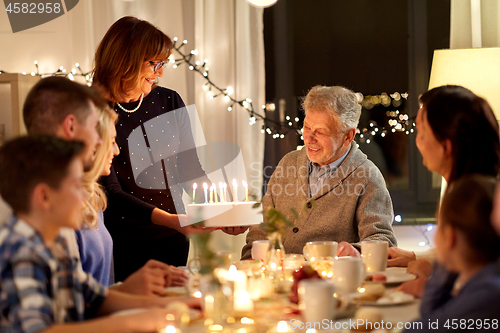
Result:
x=476 y=69
x=262 y=3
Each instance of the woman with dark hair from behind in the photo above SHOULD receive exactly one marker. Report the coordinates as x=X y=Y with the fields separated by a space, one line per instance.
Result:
x=465 y=282
x=457 y=135
x=466 y=130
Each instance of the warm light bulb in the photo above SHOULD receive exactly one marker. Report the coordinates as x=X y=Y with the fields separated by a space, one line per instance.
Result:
x=229 y=90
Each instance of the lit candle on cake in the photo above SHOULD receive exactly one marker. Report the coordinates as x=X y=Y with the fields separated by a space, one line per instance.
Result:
x=225 y=192
x=205 y=188
x=235 y=190
x=215 y=193
x=195 y=186
x=245 y=185
x=221 y=189
x=211 y=194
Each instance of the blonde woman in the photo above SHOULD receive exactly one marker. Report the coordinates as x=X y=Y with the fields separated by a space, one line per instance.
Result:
x=94 y=241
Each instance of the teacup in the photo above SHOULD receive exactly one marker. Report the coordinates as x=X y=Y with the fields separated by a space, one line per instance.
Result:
x=374 y=254
x=347 y=274
x=313 y=250
x=259 y=249
x=317 y=301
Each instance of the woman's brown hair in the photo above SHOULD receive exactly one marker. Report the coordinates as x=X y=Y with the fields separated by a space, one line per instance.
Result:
x=122 y=51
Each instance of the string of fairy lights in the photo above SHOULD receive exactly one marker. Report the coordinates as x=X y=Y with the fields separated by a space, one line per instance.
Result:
x=275 y=128
x=397 y=121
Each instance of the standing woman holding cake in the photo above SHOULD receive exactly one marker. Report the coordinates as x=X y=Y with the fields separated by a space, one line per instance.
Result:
x=145 y=221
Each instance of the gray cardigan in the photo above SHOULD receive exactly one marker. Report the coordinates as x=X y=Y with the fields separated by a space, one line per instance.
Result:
x=353 y=205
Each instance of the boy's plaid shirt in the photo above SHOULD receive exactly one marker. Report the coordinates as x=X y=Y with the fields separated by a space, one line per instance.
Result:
x=41 y=286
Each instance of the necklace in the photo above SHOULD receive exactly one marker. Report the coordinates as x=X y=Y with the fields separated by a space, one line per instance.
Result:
x=131 y=111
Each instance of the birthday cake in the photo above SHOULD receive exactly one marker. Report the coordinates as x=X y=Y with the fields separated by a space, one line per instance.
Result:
x=228 y=214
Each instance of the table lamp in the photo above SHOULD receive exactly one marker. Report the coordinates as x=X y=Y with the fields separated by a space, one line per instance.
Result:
x=477 y=69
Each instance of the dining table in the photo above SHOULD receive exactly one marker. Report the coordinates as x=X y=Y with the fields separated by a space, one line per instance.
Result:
x=277 y=314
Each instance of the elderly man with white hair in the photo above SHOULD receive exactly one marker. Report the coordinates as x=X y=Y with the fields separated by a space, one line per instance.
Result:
x=352 y=200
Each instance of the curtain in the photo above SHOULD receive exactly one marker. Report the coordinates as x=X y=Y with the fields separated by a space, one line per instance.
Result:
x=474 y=23
x=229 y=33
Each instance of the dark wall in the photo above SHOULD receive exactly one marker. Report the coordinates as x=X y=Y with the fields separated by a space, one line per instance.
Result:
x=359 y=44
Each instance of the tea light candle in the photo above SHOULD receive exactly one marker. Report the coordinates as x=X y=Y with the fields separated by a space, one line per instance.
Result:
x=282 y=327
x=215 y=193
x=195 y=186
x=245 y=185
x=242 y=302
x=235 y=190
x=238 y=277
x=205 y=188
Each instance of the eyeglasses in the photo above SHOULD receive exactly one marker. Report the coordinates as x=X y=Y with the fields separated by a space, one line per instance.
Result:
x=157 y=65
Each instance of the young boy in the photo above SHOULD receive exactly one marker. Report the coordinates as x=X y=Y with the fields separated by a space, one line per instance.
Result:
x=41 y=288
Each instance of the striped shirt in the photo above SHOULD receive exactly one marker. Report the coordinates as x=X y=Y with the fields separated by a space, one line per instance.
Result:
x=41 y=286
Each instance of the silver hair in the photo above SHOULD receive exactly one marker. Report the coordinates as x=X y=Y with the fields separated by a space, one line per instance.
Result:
x=337 y=101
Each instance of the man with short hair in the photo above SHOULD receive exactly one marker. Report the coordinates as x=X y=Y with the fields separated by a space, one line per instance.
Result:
x=352 y=201
x=66 y=109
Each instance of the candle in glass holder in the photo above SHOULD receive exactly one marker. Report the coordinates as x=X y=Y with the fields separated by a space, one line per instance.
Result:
x=205 y=188
x=195 y=186
x=235 y=190
x=245 y=185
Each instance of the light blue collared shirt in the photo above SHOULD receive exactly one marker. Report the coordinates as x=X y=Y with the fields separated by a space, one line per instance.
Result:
x=319 y=175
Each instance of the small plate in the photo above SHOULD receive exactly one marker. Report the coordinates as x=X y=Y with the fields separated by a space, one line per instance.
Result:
x=394 y=275
x=174 y=292
x=390 y=299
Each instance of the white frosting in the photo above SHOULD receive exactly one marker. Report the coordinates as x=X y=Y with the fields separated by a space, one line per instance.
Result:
x=225 y=214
